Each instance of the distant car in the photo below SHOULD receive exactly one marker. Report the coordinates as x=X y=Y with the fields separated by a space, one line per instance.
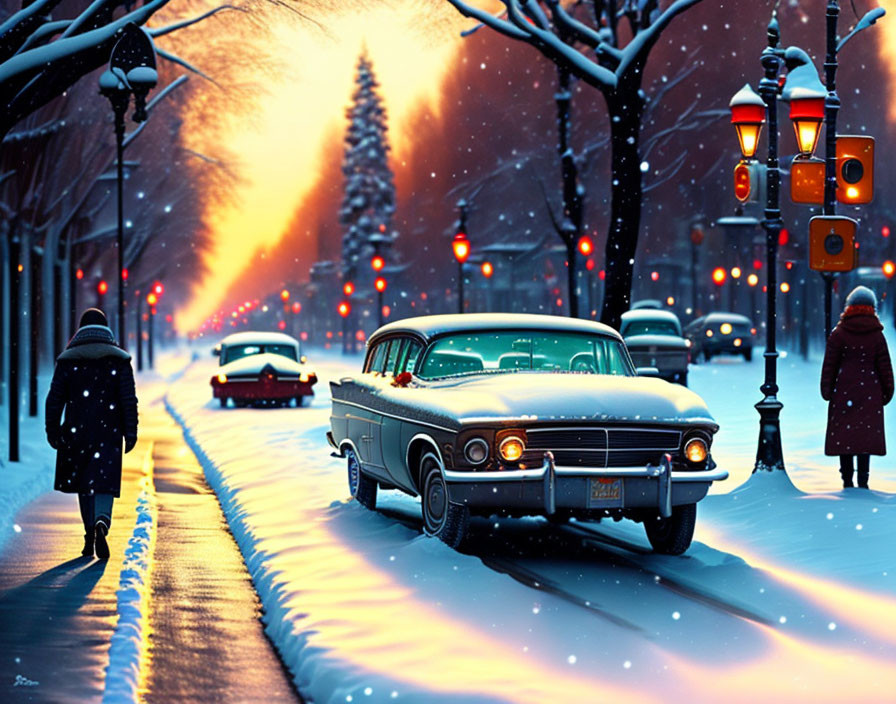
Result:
x=721 y=333
x=522 y=415
x=261 y=368
x=647 y=304
x=654 y=339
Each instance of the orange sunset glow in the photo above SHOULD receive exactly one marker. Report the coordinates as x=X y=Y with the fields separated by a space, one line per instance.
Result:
x=276 y=142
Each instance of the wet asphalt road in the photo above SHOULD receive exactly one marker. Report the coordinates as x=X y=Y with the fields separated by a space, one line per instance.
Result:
x=206 y=641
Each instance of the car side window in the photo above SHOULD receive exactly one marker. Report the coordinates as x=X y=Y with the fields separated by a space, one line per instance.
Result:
x=411 y=354
x=394 y=350
x=376 y=358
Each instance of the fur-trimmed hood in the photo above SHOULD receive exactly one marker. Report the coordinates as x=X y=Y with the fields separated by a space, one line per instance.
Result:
x=93 y=342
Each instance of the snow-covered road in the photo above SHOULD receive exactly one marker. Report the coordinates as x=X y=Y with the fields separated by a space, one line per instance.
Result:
x=786 y=596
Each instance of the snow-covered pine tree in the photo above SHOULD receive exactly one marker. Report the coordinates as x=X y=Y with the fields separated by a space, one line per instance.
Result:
x=369 y=200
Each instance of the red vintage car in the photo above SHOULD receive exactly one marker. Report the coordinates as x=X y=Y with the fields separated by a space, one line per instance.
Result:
x=262 y=369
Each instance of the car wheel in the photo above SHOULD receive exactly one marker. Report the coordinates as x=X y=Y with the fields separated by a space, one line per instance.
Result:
x=223 y=402
x=441 y=518
x=673 y=535
x=748 y=355
x=362 y=487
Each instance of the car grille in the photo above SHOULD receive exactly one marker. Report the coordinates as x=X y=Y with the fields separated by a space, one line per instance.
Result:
x=601 y=447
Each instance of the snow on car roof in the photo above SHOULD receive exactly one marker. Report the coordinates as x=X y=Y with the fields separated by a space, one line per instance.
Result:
x=430 y=326
x=259 y=338
x=649 y=314
x=729 y=317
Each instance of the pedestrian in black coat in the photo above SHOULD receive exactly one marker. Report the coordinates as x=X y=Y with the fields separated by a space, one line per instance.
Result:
x=93 y=385
x=857 y=379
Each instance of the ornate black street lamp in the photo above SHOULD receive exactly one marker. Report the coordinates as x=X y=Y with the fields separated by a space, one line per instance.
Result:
x=132 y=70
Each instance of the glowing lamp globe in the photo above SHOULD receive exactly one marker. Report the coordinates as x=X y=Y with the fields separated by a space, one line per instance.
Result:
x=348 y=288
x=344 y=309
x=377 y=263
x=461 y=247
x=380 y=284
x=586 y=246
x=719 y=275
x=747 y=116
x=102 y=287
x=284 y=295
x=487 y=269
x=807 y=114
x=889 y=268
x=152 y=299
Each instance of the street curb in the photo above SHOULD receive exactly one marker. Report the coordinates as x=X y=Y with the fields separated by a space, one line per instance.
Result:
x=129 y=640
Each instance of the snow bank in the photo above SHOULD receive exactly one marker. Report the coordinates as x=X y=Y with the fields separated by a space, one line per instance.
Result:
x=128 y=642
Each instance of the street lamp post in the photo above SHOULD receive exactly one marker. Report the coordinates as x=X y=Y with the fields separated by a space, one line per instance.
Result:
x=151 y=299
x=461 y=247
x=380 y=286
x=132 y=70
x=748 y=121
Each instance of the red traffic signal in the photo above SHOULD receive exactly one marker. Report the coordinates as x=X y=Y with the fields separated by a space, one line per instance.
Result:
x=746 y=181
x=296 y=307
x=380 y=284
x=157 y=288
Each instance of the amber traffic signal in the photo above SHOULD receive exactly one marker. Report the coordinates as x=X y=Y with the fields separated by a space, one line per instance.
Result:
x=746 y=181
x=807 y=181
x=832 y=243
x=855 y=169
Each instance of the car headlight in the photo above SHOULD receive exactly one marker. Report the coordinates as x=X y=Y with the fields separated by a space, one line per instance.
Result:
x=695 y=450
x=511 y=448
x=222 y=378
x=726 y=328
x=303 y=378
x=476 y=451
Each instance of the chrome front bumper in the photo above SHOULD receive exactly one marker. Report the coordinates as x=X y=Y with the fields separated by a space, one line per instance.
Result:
x=548 y=486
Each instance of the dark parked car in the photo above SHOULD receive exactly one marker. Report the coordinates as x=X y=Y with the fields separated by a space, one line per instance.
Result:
x=522 y=415
x=653 y=338
x=721 y=333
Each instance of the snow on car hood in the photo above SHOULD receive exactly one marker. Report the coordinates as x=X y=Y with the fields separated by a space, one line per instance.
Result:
x=547 y=396
x=667 y=341
x=253 y=364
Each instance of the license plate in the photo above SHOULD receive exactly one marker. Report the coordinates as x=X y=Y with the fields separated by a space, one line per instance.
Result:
x=605 y=492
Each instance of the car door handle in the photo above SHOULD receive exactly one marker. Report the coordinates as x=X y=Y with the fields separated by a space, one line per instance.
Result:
x=367 y=438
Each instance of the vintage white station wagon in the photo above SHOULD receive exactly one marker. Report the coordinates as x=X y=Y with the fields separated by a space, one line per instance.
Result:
x=522 y=415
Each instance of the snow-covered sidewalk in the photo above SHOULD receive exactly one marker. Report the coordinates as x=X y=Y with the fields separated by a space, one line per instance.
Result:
x=365 y=608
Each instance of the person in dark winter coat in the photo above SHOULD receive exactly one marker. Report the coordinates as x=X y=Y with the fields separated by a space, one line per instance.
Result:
x=857 y=379
x=93 y=385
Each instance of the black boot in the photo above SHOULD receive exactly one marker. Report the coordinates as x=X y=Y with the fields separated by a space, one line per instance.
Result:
x=102 y=547
x=847 y=478
x=88 y=544
x=863 y=480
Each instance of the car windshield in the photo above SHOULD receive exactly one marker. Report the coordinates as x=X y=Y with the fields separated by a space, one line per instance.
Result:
x=650 y=327
x=234 y=352
x=503 y=352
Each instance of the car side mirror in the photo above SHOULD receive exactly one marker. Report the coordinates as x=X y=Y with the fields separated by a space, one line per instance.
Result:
x=303 y=359
x=647 y=371
x=216 y=351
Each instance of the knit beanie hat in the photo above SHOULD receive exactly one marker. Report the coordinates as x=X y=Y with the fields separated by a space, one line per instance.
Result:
x=862 y=296
x=94 y=316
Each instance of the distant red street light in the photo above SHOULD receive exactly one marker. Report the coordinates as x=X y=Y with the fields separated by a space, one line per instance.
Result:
x=783 y=236
x=79 y=274
x=152 y=299
x=281 y=324
x=757 y=264
x=719 y=275
x=461 y=247
x=586 y=245
x=589 y=265
x=158 y=289
x=380 y=284
x=344 y=309
x=102 y=287
x=654 y=276
x=377 y=263
x=889 y=268
x=487 y=269
x=885 y=231
x=284 y=295
x=124 y=274
x=296 y=307
x=348 y=288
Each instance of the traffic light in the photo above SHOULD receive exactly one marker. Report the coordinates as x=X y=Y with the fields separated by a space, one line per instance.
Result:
x=807 y=181
x=832 y=243
x=746 y=181
x=855 y=169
